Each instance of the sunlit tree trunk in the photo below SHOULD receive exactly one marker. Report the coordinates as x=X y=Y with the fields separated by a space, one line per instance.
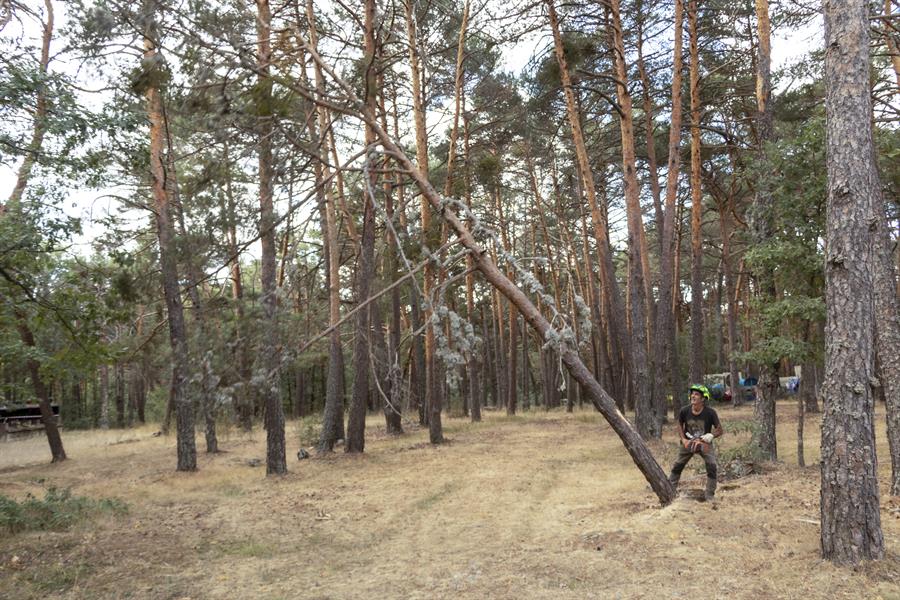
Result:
x=430 y=233
x=184 y=410
x=697 y=366
x=665 y=357
x=647 y=421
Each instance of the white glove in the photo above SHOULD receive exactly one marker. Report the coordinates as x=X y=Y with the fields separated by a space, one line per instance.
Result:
x=707 y=437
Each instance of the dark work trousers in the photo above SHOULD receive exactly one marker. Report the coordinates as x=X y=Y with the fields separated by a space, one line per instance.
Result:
x=709 y=458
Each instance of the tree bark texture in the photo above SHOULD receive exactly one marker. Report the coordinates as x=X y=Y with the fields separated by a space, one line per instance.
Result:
x=761 y=223
x=276 y=462
x=887 y=337
x=665 y=357
x=697 y=361
x=57 y=452
x=647 y=420
x=850 y=515
x=356 y=423
x=333 y=417
x=430 y=233
x=165 y=229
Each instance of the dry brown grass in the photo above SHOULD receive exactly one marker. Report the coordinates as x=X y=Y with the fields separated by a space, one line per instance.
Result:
x=538 y=506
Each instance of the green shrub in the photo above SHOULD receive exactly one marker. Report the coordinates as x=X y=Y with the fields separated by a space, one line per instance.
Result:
x=58 y=510
x=749 y=453
x=309 y=430
x=741 y=427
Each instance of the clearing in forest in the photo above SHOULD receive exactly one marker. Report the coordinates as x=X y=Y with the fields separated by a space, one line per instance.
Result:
x=543 y=505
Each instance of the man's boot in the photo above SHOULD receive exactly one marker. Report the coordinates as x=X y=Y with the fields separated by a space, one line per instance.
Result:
x=710 y=488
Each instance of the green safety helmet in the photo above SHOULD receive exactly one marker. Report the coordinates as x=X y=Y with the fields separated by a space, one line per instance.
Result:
x=699 y=388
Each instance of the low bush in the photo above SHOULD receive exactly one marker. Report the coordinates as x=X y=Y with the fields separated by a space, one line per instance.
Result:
x=59 y=509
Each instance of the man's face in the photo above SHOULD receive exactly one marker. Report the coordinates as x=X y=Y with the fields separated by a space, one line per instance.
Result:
x=696 y=400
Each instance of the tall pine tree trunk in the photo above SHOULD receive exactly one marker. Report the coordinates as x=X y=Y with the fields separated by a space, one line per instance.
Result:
x=430 y=233
x=665 y=355
x=393 y=405
x=472 y=363
x=22 y=178
x=697 y=366
x=647 y=421
x=195 y=277
x=333 y=418
x=850 y=514
x=57 y=452
x=356 y=424
x=276 y=462
x=887 y=339
x=762 y=228
x=165 y=230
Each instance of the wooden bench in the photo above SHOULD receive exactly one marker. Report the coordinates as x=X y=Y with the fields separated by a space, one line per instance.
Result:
x=23 y=418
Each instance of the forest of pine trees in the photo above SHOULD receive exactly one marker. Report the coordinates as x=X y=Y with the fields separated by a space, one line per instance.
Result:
x=233 y=214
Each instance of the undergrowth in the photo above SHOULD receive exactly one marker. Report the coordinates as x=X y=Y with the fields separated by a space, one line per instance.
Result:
x=747 y=452
x=59 y=509
x=309 y=430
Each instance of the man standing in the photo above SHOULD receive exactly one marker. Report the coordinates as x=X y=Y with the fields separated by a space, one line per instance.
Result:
x=698 y=425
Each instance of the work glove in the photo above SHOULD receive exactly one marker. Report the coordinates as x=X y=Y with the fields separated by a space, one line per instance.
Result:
x=707 y=437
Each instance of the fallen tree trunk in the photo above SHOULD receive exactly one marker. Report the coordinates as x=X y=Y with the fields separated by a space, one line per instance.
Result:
x=640 y=453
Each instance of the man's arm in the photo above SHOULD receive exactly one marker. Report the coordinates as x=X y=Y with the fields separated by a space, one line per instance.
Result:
x=717 y=427
x=684 y=440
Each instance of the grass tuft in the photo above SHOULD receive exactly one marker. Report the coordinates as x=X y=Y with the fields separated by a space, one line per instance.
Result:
x=58 y=510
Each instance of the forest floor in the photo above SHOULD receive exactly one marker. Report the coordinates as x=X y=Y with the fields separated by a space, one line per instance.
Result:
x=543 y=505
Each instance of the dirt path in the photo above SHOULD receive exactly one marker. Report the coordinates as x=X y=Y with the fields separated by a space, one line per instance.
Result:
x=540 y=506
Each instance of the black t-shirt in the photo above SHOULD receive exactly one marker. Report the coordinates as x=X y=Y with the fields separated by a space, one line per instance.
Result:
x=697 y=425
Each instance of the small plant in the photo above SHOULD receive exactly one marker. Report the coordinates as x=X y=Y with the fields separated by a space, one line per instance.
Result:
x=741 y=427
x=59 y=578
x=748 y=452
x=309 y=430
x=58 y=510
